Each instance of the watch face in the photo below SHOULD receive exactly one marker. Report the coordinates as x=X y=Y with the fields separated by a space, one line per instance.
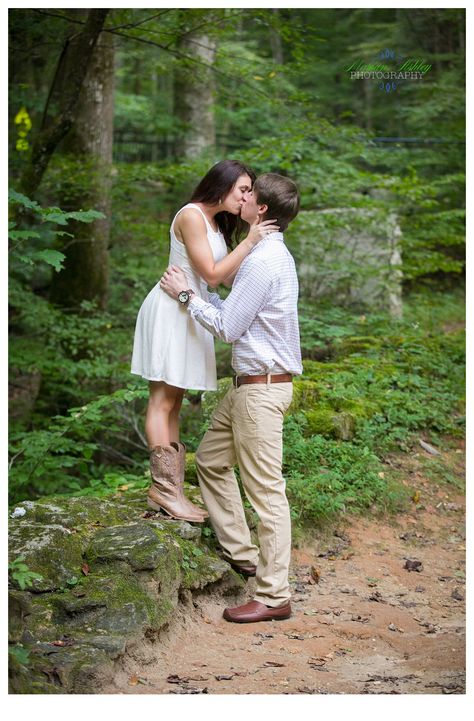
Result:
x=183 y=297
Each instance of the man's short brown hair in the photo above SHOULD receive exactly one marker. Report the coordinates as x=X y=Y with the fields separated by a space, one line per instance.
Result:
x=281 y=195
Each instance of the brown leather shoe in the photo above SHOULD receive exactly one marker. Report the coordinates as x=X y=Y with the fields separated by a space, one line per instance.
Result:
x=247 y=570
x=255 y=611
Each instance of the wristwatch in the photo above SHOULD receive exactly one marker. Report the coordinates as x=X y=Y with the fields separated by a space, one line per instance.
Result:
x=185 y=295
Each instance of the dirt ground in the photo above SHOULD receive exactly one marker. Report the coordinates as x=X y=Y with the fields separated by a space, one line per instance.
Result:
x=362 y=623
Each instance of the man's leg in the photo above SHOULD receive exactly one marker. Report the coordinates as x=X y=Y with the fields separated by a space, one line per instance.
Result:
x=215 y=459
x=258 y=422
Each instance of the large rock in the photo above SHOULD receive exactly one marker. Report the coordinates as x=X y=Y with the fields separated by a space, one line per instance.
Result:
x=112 y=573
x=349 y=255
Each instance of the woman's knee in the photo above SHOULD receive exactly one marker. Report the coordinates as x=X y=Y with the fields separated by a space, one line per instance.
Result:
x=162 y=397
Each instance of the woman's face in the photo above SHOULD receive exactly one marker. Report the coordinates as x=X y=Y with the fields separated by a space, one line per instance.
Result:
x=233 y=202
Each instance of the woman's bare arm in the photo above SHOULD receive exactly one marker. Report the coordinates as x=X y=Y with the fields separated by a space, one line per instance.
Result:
x=190 y=228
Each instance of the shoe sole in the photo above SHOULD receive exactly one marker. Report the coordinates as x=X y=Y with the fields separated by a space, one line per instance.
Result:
x=157 y=507
x=242 y=572
x=257 y=620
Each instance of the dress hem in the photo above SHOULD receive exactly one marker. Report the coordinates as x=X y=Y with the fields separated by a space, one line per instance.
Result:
x=172 y=383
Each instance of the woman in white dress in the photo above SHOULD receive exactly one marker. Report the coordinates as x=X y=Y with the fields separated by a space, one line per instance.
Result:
x=171 y=350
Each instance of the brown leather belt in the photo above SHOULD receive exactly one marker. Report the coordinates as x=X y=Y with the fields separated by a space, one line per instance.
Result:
x=279 y=378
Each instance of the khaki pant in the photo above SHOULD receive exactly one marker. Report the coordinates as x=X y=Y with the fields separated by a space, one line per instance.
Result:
x=246 y=428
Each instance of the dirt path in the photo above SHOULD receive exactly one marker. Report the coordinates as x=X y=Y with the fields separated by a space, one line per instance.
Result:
x=362 y=623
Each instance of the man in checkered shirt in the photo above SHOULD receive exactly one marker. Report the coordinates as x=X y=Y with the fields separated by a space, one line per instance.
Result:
x=259 y=317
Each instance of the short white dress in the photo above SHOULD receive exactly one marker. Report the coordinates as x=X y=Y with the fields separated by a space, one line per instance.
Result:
x=169 y=345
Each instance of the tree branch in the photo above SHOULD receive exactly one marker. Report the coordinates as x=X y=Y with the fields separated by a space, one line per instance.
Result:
x=77 y=58
x=176 y=53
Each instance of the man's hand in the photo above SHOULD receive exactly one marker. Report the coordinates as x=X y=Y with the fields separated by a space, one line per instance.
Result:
x=174 y=281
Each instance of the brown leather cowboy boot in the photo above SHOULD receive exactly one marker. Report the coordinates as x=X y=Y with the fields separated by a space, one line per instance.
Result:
x=166 y=491
x=182 y=466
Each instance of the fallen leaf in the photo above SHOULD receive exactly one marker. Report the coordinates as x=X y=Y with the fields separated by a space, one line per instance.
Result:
x=295 y=636
x=263 y=635
x=411 y=565
x=85 y=569
x=273 y=663
x=174 y=678
x=317 y=662
x=58 y=643
x=315 y=573
x=428 y=448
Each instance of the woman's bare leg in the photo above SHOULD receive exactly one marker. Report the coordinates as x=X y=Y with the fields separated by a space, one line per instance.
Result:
x=162 y=429
x=174 y=416
x=161 y=421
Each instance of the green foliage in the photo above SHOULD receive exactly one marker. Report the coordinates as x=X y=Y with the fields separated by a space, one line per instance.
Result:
x=20 y=654
x=60 y=457
x=326 y=477
x=26 y=252
x=20 y=573
x=409 y=371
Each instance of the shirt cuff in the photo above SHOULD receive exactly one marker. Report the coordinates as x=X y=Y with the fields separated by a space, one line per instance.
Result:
x=196 y=303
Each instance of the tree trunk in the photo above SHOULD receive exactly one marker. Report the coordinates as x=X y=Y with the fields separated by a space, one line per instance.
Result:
x=89 y=144
x=275 y=41
x=194 y=96
x=73 y=65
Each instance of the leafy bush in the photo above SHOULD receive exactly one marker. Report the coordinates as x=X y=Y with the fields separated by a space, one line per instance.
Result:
x=20 y=573
x=327 y=477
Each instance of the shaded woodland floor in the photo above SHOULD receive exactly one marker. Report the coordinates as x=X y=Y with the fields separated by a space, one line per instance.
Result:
x=362 y=622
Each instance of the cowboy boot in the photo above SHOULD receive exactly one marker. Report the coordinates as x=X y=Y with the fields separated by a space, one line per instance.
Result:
x=165 y=491
x=182 y=464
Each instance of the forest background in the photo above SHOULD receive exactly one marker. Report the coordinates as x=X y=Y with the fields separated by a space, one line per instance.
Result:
x=114 y=115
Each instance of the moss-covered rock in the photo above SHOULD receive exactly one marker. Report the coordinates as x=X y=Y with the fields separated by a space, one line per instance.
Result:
x=52 y=551
x=356 y=344
x=112 y=573
x=306 y=394
x=327 y=422
x=137 y=544
x=76 y=512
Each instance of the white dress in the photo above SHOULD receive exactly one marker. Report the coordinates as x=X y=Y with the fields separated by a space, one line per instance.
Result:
x=169 y=345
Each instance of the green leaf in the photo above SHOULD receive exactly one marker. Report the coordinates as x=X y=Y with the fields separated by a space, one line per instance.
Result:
x=52 y=257
x=20 y=199
x=22 y=234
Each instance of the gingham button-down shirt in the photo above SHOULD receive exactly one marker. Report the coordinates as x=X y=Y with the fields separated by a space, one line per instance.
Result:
x=259 y=316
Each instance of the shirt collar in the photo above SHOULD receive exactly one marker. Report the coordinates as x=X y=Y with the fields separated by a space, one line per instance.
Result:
x=275 y=236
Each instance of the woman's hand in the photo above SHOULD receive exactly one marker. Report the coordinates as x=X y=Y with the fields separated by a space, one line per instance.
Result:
x=260 y=229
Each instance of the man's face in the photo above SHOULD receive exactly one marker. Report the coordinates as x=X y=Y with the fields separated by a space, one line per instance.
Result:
x=249 y=211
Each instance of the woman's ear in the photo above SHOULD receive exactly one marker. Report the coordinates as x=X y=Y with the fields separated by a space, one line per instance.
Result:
x=262 y=209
